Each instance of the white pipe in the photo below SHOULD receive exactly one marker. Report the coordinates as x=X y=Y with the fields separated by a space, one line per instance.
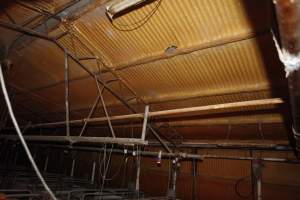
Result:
x=16 y=125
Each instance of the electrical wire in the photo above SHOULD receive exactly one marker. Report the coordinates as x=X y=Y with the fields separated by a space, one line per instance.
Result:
x=138 y=23
x=236 y=188
x=113 y=176
x=23 y=142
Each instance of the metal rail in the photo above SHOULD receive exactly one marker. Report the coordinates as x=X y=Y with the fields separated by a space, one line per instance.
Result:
x=78 y=139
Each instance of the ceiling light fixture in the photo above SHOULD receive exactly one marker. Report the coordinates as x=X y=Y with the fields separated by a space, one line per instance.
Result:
x=116 y=6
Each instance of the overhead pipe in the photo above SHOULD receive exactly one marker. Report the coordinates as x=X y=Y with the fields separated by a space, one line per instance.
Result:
x=166 y=155
x=288 y=17
x=77 y=139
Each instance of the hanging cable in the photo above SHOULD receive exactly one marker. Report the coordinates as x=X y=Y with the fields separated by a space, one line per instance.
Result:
x=13 y=118
x=137 y=24
x=236 y=188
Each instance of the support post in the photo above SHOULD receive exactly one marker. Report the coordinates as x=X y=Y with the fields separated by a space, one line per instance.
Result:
x=72 y=169
x=93 y=173
x=46 y=164
x=172 y=183
x=257 y=176
x=194 y=173
x=145 y=122
x=138 y=171
x=67 y=95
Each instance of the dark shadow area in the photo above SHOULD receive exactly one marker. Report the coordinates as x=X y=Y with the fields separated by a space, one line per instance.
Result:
x=274 y=68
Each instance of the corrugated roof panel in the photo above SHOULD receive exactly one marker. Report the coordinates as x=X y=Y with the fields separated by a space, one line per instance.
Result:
x=180 y=23
x=231 y=68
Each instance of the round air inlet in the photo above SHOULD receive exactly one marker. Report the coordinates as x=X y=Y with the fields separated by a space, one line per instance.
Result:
x=171 y=49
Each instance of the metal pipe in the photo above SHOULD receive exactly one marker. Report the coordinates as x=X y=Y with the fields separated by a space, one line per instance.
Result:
x=138 y=172
x=105 y=109
x=78 y=139
x=288 y=17
x=93 y=173
x=194 y=173
x=222 y=144
x=46 y=164
x=72 y=169
x=145 y=122
x=165 y=155
x=67 y=95
x=163 y=143
x=90 y=115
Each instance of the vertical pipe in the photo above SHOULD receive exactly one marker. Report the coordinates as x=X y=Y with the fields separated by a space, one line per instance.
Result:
x=93 y=173
x=46 y=164
x=72 y=169
x=172 y=187
x=138 y=171
x=258 y=188
x=145 y=122
x=67 y=95
x=194 y=171
x=257 y=174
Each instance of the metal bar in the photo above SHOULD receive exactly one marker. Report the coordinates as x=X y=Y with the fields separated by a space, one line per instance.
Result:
x=161 y=141
x=93 y=173
x=87 y=58
x=25 y=30
x=259 y=191
x=90 y=115
x=67 y=95
x=38 y=10
x=105 y=109
x=30 y=20
x=237 y=144
x=165 y=155
x=77 y=139
x=145 y=122
x=8 y=16
x=46 y=164
x=194 y=174
x=138 y=171
x=72 y=169
x=59 y=36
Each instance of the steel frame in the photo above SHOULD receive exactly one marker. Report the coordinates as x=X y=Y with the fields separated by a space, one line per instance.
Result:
x=70 y=55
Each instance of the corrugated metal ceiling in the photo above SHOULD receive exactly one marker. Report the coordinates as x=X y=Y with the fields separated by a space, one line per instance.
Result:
x=224 y=53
